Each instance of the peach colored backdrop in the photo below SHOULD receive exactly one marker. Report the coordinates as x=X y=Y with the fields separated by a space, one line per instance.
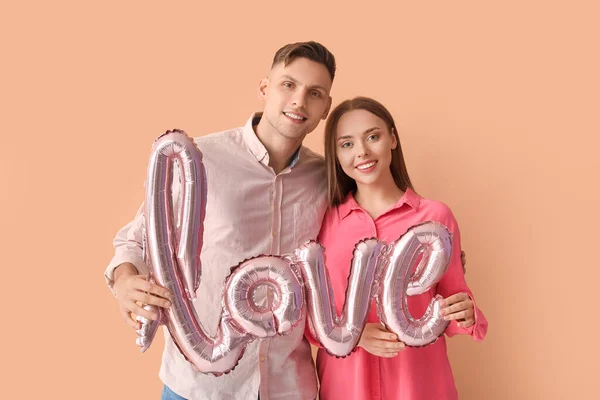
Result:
x=498 y=106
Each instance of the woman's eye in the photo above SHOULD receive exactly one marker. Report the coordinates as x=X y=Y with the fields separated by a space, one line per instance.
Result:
x=346 y=144
x=373 y=137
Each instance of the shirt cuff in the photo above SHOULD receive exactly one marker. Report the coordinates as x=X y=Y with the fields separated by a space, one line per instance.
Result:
x=477 y=331
x=128 y=256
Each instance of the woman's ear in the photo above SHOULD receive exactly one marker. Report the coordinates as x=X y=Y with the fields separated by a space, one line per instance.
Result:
x=394 y=140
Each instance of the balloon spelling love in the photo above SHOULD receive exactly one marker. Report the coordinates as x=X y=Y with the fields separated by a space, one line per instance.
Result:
x=381 y=271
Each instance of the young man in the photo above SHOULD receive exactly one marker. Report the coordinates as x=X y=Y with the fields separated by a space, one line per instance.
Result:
x=266 y=194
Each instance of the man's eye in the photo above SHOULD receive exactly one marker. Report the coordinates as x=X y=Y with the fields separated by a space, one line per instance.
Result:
x=316 y=93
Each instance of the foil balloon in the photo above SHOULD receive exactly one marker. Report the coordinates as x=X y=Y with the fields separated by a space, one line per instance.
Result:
x=339 y=335
x=430 y=242
x=265 y=296
x=174 y=256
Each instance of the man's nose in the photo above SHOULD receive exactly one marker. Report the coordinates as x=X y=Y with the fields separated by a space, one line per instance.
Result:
x=299 y=99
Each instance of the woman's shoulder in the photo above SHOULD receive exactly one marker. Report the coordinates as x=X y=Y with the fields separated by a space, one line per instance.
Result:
x=332 y=216
x=437 y=210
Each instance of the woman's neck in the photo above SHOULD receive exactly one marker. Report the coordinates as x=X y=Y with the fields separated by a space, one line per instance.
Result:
x=376 y=199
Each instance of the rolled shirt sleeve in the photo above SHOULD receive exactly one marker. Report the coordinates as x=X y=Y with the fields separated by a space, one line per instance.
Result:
x=128 y=248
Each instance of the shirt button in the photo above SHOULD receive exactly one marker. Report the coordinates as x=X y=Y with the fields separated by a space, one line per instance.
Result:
x=274 y=234
x=262 y=358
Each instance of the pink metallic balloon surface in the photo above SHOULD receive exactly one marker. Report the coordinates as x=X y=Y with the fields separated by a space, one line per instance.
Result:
x=265 y=296
x=174 y=255
x=433 y=242
x=339 y=334
x=187 y=239
x=148 y=327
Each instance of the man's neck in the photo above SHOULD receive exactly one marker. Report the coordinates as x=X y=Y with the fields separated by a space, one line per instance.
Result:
x=281 y=149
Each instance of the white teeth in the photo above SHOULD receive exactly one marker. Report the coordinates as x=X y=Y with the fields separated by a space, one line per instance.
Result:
x=366 y=166
x=294 y=116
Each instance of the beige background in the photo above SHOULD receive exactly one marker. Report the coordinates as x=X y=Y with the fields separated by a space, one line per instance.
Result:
x=498 y=107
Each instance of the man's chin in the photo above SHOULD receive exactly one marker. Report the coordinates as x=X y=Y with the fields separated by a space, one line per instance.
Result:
x=295 y=134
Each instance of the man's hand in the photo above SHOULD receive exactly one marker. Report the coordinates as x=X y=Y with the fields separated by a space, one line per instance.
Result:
x=132 y=288
x=379 y=341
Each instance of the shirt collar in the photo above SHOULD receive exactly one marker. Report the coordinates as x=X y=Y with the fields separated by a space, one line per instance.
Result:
x=255 y=145
x=295 y=158
x=409 y=198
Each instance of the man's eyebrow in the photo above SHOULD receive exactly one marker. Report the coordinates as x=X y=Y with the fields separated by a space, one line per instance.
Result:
x=289 y=78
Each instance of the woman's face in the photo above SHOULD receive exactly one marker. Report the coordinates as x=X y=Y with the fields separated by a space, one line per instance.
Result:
x=364 y=147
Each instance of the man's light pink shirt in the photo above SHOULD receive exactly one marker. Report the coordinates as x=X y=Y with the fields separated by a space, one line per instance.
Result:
x=250 y=211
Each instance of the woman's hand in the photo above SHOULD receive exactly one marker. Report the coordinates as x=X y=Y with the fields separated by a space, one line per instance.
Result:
x=379 y=341
x=459 y=307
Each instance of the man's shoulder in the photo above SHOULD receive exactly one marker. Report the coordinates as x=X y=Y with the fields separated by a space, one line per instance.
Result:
x=219 y=138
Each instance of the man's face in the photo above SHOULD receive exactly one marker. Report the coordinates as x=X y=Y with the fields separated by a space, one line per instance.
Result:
x=296 y=97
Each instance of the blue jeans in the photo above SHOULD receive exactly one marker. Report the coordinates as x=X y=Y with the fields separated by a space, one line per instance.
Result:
x=168 y=394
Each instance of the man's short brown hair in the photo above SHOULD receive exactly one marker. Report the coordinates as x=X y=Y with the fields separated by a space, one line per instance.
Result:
x=311 y=50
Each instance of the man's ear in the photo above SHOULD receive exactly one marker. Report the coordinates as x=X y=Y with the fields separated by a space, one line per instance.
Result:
x=326 y=113
x=262 y=88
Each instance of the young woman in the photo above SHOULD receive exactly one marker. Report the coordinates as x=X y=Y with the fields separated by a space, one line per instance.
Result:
x=370 y=195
